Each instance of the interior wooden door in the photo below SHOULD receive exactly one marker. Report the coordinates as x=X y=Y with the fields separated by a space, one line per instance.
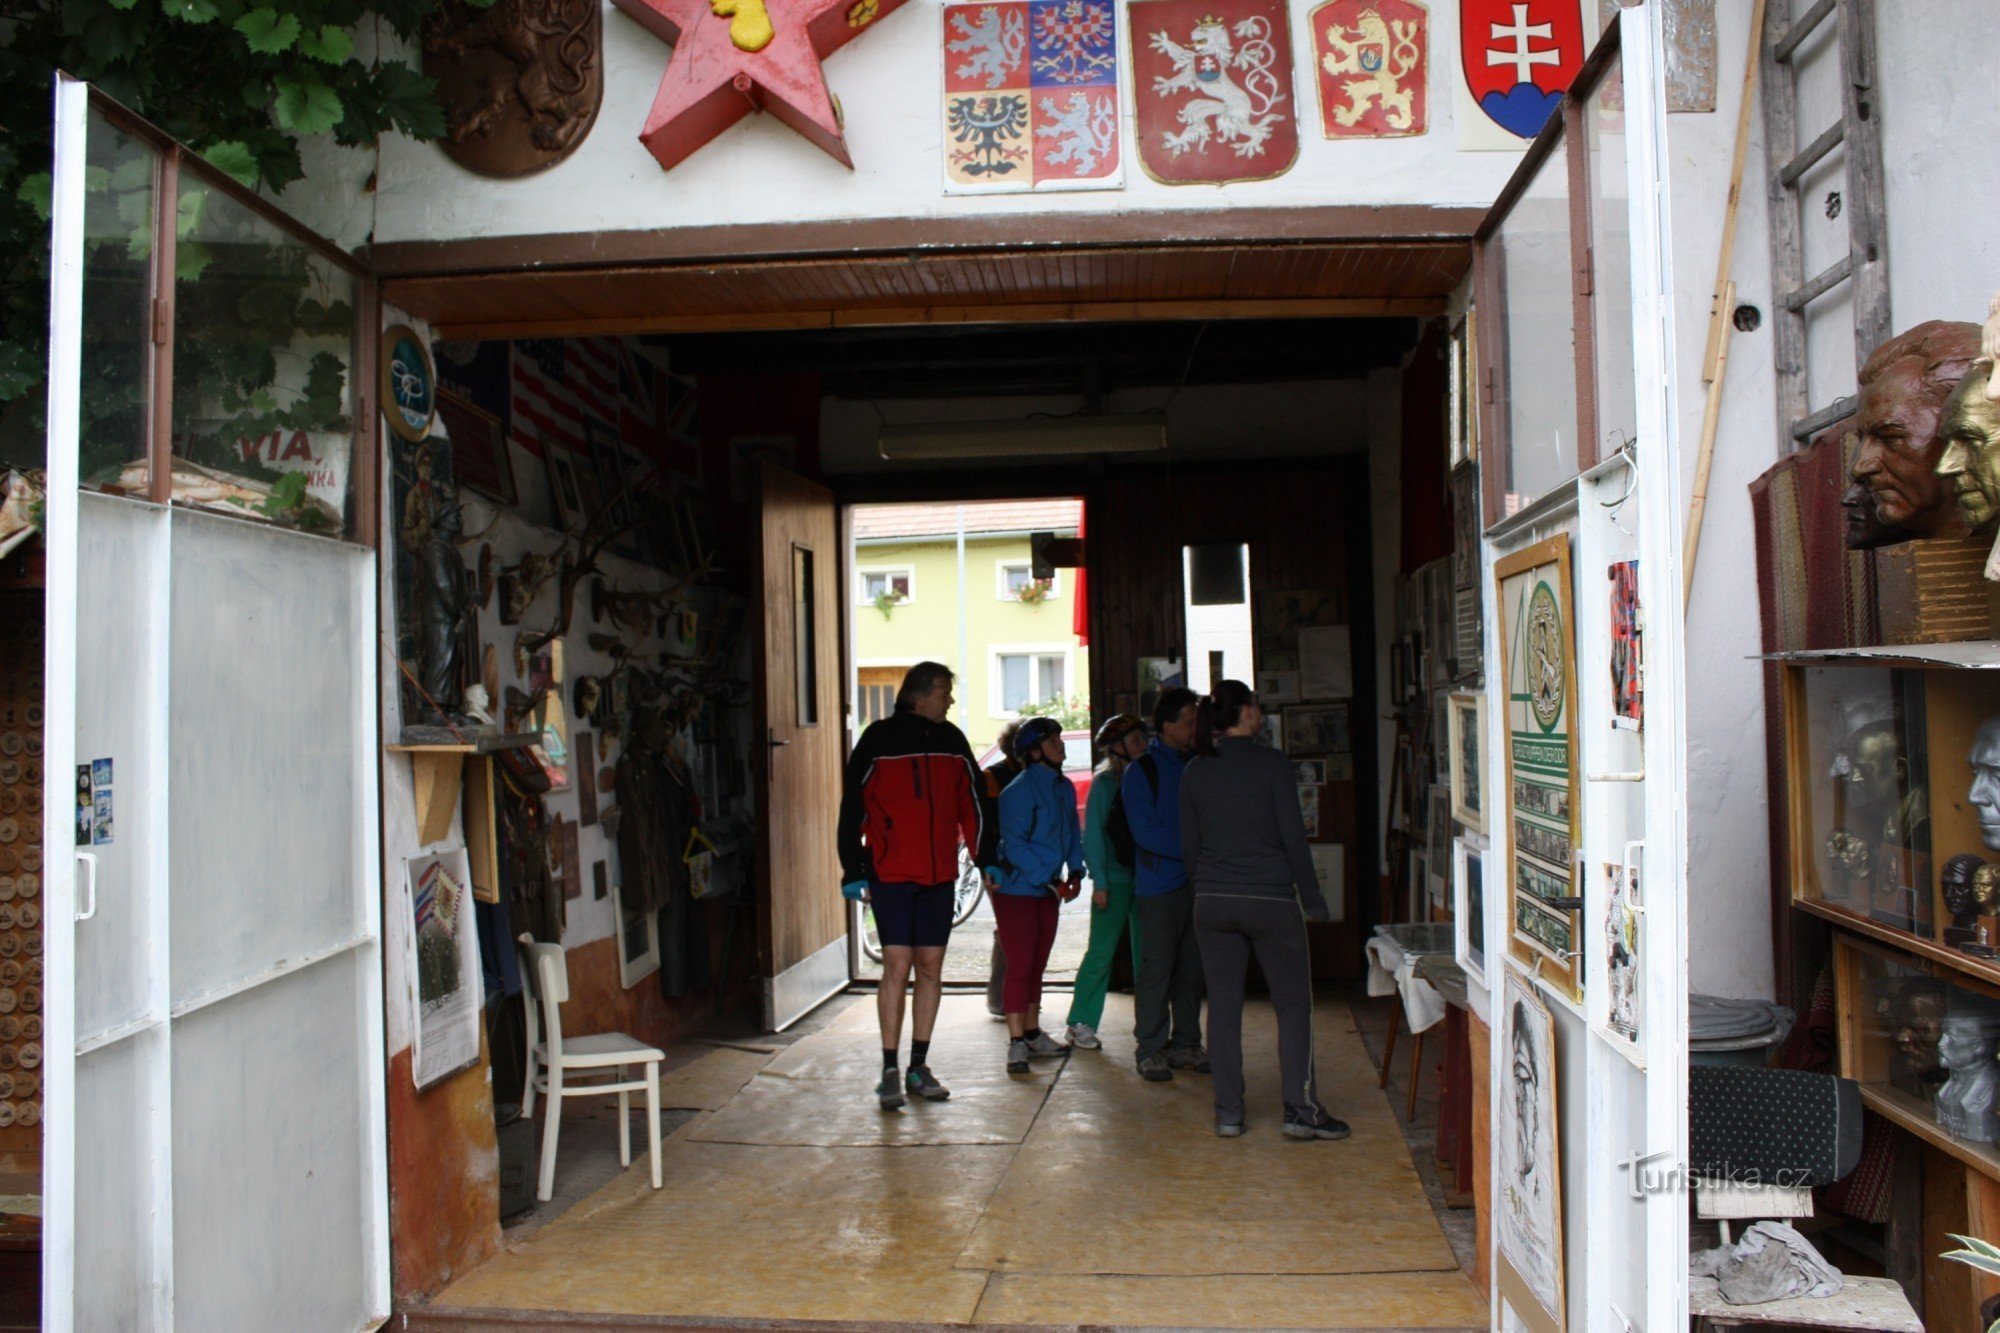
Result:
x=801 y=921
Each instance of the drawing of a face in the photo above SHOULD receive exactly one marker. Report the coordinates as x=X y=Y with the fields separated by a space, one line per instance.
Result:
x=1527 y=1093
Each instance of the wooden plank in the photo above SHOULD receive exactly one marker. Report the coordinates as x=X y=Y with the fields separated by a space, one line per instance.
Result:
x=1867 y=214
x=1804 y=28
x=1809 y=156
x=1839 y=271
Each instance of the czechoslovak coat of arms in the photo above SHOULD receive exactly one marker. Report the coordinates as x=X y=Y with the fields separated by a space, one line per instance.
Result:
x=1372 y=60
x=1031 y=96
x=1215 y=100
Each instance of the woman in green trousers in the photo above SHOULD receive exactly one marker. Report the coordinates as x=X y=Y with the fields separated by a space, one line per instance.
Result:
x=1120 y=740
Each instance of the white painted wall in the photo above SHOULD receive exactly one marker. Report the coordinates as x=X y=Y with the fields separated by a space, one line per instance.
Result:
x=1729 y=846
x=889 y=82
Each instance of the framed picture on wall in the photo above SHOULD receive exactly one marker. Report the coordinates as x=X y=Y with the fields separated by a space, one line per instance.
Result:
x=1528 y=1212
x=1468 y=907
x=1317 y=729
x=638 y=941
x=479 y=451
x=1465 y=744
x=1542 y=799
x=1437 y=852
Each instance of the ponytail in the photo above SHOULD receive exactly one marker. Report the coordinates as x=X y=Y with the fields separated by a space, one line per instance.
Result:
x=1219 y=711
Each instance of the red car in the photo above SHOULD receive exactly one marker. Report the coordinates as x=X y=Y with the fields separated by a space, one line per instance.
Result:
x=1078 y=763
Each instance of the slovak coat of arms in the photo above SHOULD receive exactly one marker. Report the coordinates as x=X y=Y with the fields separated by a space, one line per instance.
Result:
x=1372 y=59
x=1518 y=58
x=1031 y=97
x=1213 y=88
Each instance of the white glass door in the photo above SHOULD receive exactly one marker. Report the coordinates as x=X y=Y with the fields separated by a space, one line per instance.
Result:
x=214 y=1141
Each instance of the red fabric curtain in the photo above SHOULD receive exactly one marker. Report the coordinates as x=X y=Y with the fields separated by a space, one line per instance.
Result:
x=1080 y=617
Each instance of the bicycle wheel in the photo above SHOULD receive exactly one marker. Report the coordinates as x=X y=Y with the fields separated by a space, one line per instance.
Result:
x=871 y=938
x=967 y=892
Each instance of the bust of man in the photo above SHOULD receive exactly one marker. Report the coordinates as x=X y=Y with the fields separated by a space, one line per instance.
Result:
x=1956 y=880
x=1918 y=1014
x=1970 y=463
x=1984 y=794
x=1904 y=385
x=1968 y=1101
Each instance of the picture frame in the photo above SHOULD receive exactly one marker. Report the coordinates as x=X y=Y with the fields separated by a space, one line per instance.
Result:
x=565 y=494
x=1311 y=729
x=638 y=936
x=1274 y=731
x=1312 y=772
x=1468 y=907
x=1618 y=954
x=1465 y=744
x=1542 y=799
x=481 y=457
x=1277 y=688
x=1528 y=1213
x=1437 y=850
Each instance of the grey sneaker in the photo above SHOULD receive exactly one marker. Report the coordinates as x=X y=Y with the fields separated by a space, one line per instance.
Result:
x=1043 y=1047
x=1229 y=1129
x=922 y=1083
x=1192 y=1058
x=1154 y=1069
x=890 y=1091
x=1017 y=1056
x=1084 y=1037
x=1319 y=1126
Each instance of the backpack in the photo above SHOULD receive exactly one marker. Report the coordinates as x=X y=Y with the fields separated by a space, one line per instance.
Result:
x=1117 y=828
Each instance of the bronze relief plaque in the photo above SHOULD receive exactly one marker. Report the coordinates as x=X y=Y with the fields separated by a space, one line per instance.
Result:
x=520 y=83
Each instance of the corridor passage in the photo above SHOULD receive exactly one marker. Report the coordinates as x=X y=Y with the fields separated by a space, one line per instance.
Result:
x=1078 y=1195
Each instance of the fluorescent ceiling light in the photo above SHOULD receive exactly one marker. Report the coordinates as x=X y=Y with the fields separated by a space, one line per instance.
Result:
x=1037 y=437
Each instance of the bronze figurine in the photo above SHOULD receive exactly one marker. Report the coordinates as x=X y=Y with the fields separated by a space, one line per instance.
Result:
x=1904 y=385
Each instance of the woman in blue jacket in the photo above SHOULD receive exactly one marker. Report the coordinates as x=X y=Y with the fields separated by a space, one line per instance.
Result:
x=1041 y=867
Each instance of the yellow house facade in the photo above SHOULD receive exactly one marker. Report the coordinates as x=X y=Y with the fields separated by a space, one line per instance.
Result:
x=954 y=584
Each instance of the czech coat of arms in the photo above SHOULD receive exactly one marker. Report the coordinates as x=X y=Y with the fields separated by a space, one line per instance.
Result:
x=1214 y=89
x=1031 y=96
x=1519 y=57
x=1372 y=61
x=519 y=81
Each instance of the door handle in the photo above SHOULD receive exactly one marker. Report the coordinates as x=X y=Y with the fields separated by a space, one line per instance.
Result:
x=87 y=863
x=771 y=739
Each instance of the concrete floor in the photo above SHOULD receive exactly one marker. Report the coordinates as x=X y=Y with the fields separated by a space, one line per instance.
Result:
x=1078 y=1194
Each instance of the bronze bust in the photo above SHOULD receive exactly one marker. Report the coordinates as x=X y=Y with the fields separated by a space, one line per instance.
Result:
x=1904 y=385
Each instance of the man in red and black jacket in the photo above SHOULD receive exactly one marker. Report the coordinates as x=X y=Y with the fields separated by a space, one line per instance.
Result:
x=911 y=797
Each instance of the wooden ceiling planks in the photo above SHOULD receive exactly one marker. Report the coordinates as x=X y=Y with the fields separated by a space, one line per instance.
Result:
x=993 y=285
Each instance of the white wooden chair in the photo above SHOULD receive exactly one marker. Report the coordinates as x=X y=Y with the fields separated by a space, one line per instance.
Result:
x=605 y=1059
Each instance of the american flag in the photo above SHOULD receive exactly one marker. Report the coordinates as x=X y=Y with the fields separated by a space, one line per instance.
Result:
x=542 y=400
x=639 y=408
x=590 y=368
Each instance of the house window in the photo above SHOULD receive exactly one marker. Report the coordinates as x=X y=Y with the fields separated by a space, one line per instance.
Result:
x=1028 y=677
x=1016 y=577
x=876 y=692
x=898 y=585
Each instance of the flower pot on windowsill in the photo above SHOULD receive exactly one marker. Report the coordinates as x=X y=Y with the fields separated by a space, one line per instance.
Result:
x=887 y=602
x=1035 y=593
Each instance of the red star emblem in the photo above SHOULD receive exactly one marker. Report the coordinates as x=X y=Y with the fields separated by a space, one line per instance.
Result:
x=711 y=83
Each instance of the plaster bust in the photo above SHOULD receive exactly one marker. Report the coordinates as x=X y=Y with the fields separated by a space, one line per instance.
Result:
x=1984 y=794
x=1968 y=1101
x=1970 y=463
x=1918 y=1014
x=1904 y=385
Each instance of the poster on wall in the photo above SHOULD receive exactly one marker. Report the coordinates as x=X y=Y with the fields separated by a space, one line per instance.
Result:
x=1281 y=616
x=1031 y=97
x=1326 y=662
x=1156 y=676
x=443 y=960
x=1541 y=805
x=1213 y=99
x=1624 y=956
x=1529 y=1190
x=1516 y=59
x=1628 y=659
x=1329 y=867
x=1371 y=59
x=1466 y=748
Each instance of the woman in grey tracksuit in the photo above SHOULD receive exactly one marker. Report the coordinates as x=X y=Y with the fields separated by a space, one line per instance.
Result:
x=1244 y=846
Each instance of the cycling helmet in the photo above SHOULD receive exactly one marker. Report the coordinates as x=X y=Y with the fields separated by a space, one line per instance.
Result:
x=1033 y=732
x=1115 y=729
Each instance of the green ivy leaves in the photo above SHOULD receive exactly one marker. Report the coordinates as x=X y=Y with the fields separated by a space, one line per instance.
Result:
x=306 y=106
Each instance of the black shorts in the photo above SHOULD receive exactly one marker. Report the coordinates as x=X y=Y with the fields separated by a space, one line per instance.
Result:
x=912 y=916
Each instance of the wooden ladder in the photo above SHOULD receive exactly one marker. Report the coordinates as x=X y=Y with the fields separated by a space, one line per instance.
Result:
x=1865 y=267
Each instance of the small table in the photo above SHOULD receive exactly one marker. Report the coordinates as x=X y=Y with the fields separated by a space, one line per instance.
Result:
x=1454 y=1129
x=1872 y=1303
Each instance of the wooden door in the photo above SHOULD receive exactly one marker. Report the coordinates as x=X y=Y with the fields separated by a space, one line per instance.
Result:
x=801 y=921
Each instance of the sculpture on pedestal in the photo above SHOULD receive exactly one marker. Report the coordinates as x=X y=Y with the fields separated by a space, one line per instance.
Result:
x=1968 y=1101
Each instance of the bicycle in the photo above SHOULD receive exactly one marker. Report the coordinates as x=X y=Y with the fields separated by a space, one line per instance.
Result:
x=966 y=893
